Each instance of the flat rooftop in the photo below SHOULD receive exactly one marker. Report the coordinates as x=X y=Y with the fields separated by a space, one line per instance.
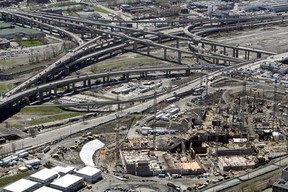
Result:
x=21 y=185
x=46 y=189
x=90 y=171
x=66 y=181
x=64 y=170
x=44 y=174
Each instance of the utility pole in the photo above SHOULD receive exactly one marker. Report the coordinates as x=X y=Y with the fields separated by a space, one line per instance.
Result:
x=274 y=104
x=155 y=111
x=117 y=140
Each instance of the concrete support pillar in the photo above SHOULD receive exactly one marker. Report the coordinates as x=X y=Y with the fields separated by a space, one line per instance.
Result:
x=67 y=70
x=160 y=39
x=248 y=55
x=165 y=54
x=259 y=55
x=224 y=50
x=73 y=87
x=233 y=55
x=245 y=57
x=84 y=83
x=237 y=53
x=82 y=33
x=68 y=87
x=50 y=30
x=40 y=95
x=89 y=83
x=135 y=46
x=188 y=72
x=55 y=90
x=104 y=79
x=148 y=50
x=31 y=24
x=177 y=43
x=179 y=57
x=203 y=45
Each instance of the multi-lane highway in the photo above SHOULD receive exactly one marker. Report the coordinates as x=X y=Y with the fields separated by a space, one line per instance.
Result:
x=115 y=41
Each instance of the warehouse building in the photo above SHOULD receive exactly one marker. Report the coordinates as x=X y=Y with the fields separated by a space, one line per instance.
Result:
x=46 y=189
x=90 y=174
x=22 y=185
x=63 y=170
x=9 y=31
x=68 y=183
x=45 y=176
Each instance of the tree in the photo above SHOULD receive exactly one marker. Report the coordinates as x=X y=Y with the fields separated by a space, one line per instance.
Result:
x=18 y=39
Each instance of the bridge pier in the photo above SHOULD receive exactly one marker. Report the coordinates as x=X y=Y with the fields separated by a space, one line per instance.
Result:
x=160 y=39
x=259 y=55
x=40 y=95
x=67 y=70
x=188 y=72
x=135 y=46
x=179 y=57
x=73 y=87
x=125 y=76
x=177 y=43
x=55 y=91
x=165 y=54
x=148 y=49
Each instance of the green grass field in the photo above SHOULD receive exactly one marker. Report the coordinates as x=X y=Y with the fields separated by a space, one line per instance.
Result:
x=42 y=110
x=3 y=87
x=53 y=118
x=61 y=4
x=100 y=10
x=7 y=180
x=31 y=43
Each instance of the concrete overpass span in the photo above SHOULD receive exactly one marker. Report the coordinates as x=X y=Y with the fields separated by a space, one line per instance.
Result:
x=49 y=90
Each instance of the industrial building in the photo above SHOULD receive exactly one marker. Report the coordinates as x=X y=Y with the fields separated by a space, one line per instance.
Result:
x=90 y=174
x=150 y=163
x=9 y=31
x=68 y=183
x=45 y=176
x=236 y=163
x=22 y=185
x=63 y=170
x=281 y=185
x=46 y=189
